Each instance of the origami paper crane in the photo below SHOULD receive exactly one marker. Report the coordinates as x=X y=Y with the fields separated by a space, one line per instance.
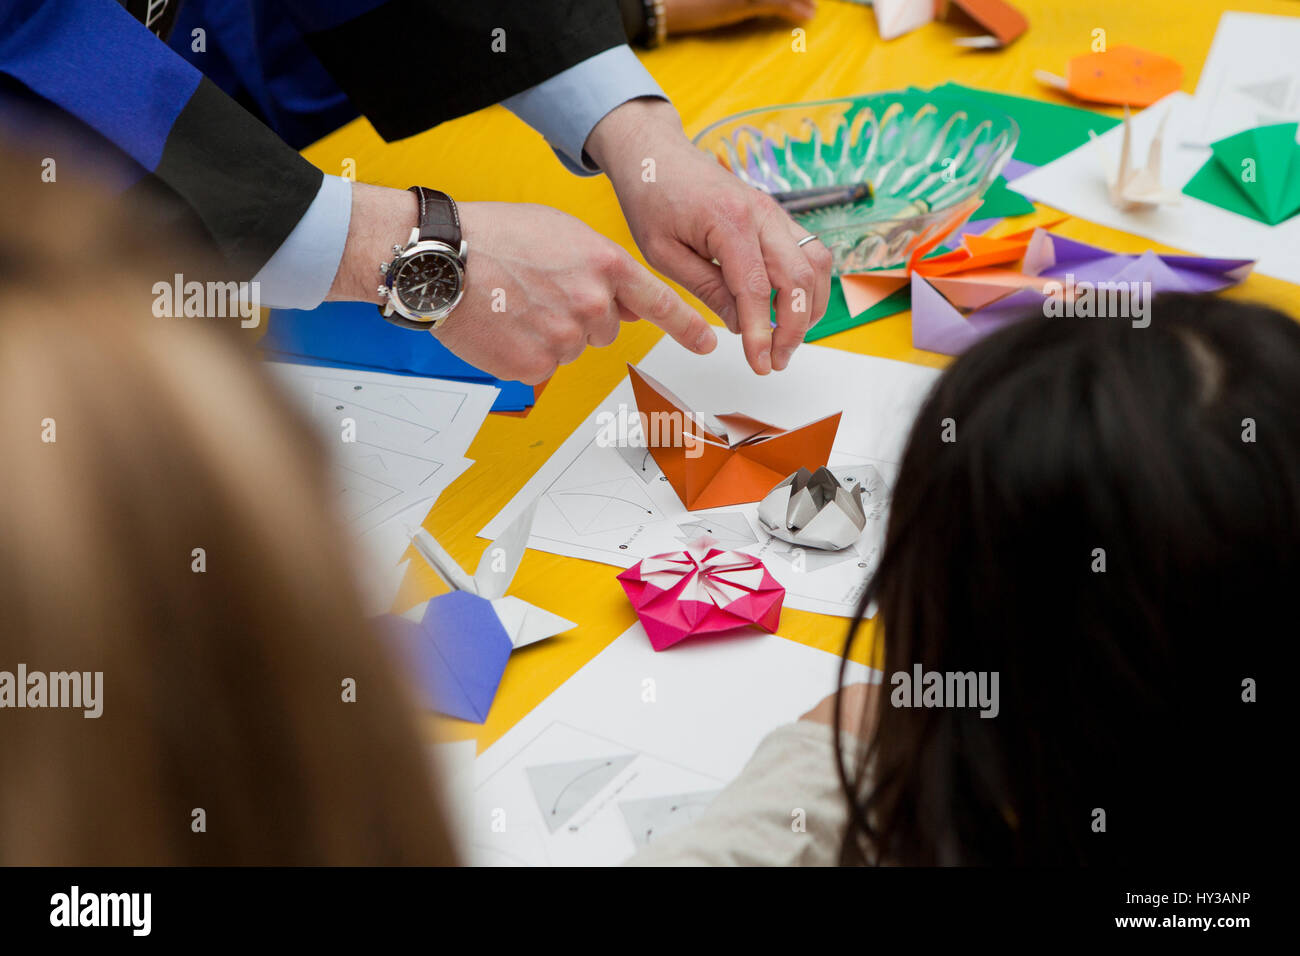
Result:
x=994 y=298
x=458 y=643
x=1001 y=21
x=728 y=459
x=1129 y=186
x=812 y=509
x=1254 y=173
x=702 y=590
x=1120 y=76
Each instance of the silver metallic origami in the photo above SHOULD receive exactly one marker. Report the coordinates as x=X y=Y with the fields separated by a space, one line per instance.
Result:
x=812 y=509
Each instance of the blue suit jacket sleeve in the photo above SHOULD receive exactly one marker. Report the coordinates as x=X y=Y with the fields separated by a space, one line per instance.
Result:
x=95 y=62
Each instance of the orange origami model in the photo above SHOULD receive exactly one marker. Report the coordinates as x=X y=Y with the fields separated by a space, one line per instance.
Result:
x=1001 y=21
x=977 y=254
x=729 y=459
x=1121 y=76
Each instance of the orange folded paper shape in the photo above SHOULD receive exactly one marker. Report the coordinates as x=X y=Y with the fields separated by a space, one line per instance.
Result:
x=728 y=459
x=864 y=290
x=1002 y=21
x=976 y=252
x=1121 y=76
x=981 y=287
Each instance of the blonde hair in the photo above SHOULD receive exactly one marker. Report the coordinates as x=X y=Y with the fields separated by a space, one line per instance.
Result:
x=223 y=680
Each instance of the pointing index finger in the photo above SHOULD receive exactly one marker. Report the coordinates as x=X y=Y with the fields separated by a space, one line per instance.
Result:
x=650 y=298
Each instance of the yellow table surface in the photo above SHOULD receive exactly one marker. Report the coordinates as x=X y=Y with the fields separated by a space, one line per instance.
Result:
x=492 y=156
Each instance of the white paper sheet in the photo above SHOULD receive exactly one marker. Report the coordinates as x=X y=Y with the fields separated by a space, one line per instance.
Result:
x=1075 y=184
x=378 y=556
x=636 y=743
x=613 y=505
x=1251 y=76
x=453 y=768
x=410 y=434
x=418 y=417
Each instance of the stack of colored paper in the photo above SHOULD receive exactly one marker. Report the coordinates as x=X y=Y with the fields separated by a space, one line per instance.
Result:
x=354 y=335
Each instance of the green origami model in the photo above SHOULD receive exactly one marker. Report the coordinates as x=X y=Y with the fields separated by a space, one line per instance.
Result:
x=1254 y=173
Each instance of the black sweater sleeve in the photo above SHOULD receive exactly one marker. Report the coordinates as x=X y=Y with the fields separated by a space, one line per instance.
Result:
x=409 y=65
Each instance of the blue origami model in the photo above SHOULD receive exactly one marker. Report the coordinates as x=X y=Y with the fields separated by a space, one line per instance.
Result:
x=457 y=644
x=457 y=653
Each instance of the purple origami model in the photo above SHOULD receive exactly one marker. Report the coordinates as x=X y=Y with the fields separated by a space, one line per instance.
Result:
x=952 y=313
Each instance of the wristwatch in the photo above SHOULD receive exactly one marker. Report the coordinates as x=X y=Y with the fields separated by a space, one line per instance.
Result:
x=426 y=279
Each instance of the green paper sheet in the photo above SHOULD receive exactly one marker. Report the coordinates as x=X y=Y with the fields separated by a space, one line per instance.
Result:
x=1273 y=195
x=837 y=318
x=837 y=312
x=1047 y=130
x=1001 y=201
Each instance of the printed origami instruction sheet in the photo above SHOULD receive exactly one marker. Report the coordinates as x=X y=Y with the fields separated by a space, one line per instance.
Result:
x=565 y=787
x=602 y=497
x=396 y=443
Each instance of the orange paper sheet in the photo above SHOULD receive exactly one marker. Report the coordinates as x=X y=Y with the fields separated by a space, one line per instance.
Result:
x=865 y=290
x=981 y=287
x=976 y=252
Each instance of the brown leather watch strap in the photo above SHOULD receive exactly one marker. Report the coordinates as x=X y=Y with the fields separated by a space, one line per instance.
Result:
x=439 y=218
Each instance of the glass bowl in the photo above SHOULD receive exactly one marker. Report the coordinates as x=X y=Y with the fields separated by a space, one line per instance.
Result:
x=929 y=159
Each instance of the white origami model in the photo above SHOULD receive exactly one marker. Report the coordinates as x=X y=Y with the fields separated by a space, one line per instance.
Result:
x=896 y=17
x=1132 y=188
x=524 y=623
x=812 y=509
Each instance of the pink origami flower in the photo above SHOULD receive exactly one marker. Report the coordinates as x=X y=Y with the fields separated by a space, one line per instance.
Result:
x=702 y=590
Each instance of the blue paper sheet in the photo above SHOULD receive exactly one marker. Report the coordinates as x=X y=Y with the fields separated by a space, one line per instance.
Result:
x=457 y=653
x=354 y=335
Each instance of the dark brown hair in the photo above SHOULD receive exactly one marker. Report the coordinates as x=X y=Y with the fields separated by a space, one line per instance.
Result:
x=1171 y=454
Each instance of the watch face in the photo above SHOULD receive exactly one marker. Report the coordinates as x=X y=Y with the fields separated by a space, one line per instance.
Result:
x=428 y=281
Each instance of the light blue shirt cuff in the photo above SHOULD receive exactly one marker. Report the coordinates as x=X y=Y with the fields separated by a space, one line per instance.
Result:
x=567 y=107
x=300 y=273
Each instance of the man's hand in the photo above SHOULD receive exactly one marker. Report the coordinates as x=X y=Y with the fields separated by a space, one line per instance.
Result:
x=685 y=211
x=540 y=286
